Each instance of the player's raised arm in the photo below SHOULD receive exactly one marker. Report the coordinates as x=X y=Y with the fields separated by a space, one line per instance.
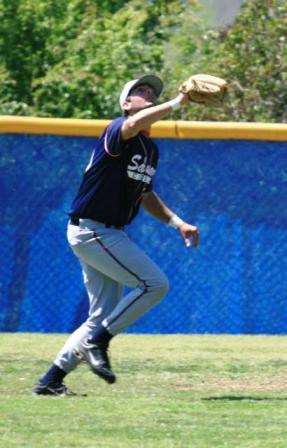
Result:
x=139 y=96
x=138 y=101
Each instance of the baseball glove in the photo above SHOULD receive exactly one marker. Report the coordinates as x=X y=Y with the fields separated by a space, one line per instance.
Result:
x=205 y=89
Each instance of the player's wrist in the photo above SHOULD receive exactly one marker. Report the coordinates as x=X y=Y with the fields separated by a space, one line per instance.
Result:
x=175 y=104
x=184 y=99
x=175 y=221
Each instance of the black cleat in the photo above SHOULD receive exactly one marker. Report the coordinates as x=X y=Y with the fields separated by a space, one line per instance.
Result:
x=97 y=357
x=55 y=389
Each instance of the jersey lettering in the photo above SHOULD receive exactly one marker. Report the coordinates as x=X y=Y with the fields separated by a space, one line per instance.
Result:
x=140 y=171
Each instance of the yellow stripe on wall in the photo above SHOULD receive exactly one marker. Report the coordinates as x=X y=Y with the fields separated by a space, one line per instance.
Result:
x=52 y=126
x=163 y=129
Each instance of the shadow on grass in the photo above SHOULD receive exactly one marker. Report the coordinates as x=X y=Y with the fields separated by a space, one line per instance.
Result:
x=242 y=398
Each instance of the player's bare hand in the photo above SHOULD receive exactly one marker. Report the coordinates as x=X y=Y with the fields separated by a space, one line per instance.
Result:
x=188 y=233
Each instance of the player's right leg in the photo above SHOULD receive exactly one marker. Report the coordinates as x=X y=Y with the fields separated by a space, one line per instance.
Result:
x=111 y=252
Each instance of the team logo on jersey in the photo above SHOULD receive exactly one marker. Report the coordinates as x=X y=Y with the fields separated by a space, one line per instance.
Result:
x=138 y=170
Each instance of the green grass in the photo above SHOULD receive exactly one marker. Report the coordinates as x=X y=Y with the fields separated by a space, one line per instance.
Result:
x=172 y=391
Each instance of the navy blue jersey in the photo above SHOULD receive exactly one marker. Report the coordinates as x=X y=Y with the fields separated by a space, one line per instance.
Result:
x=118 y=174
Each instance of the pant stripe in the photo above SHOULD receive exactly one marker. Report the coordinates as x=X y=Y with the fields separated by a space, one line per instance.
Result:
x=127 y=307
x=128 y=270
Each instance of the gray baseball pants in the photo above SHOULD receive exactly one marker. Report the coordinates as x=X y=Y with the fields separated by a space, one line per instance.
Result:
x=110 y=261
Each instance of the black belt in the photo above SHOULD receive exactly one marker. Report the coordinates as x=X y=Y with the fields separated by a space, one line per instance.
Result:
x=76 y=222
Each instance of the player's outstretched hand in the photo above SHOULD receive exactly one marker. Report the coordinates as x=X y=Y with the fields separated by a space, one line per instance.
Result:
x=188 y=232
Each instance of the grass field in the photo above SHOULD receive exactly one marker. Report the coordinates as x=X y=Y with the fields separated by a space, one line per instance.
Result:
x=172 y=391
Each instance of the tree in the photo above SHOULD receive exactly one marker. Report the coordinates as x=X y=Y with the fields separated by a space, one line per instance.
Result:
x=251 y=54
x=26 y=27
x=254 y=55
x=70 y=58
x=110 y=46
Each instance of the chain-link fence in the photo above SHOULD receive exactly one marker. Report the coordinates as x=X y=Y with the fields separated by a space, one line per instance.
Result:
x=235 y=191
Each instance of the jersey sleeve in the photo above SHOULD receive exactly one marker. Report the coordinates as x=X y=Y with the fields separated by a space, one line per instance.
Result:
x=112 y=138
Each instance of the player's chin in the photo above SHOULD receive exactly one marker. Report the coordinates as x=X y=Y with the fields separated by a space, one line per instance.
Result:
x=148 y=105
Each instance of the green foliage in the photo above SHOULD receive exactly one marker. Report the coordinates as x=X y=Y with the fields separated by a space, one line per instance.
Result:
x=93 y=48
x=23 y=38
x=106 y=50
x=252 y=56
x=70 y=58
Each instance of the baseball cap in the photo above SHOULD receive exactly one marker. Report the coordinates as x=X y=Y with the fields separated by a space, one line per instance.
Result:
x=152 y=80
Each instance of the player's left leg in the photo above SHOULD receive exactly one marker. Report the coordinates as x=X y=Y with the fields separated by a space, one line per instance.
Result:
x=104 y=295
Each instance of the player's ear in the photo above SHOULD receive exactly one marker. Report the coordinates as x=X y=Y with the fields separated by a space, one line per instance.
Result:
x=127 y=105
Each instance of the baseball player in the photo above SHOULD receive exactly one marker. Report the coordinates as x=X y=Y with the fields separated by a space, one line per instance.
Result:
x=117 y=182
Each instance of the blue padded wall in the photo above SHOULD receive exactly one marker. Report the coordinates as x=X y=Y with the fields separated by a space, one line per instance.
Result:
x=235 y=191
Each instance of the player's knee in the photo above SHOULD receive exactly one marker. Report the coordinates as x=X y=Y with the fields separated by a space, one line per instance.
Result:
x=161 y=287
